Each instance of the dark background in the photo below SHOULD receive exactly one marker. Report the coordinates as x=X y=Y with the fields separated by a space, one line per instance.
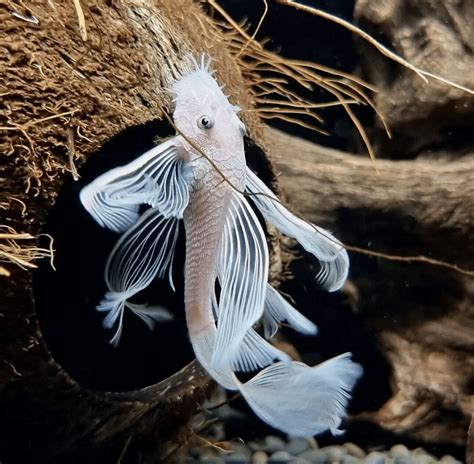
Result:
x=295 y=34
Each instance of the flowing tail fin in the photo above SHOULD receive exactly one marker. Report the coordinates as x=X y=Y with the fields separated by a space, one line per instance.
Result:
x=301 y=400
x=288 y=395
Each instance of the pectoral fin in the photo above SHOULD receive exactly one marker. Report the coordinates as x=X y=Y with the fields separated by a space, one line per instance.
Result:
x=159 y=178
x=277 y=310
x=150 y=315
x=329 y=251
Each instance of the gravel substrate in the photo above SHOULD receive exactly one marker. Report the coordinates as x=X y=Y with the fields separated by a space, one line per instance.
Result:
x=220 y=422
x=276 y=450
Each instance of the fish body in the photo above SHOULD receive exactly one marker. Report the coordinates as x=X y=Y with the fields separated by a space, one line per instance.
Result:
x=199 y=176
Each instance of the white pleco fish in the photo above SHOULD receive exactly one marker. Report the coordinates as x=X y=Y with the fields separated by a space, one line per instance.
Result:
x=225 y=244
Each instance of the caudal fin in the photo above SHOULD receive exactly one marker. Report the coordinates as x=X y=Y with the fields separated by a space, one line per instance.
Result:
x=290 y=396
x=301 y=400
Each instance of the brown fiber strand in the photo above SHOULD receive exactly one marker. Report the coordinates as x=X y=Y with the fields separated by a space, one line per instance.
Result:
x=22 y=256
x=381 y=48
x=257 y=59
x=260 y=22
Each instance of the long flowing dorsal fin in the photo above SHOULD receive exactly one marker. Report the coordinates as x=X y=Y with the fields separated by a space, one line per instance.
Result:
x=317 y=241
x=159 y=178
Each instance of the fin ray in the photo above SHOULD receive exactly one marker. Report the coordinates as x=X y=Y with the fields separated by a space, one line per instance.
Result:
x=144 y=252
x=301 y=400
x=277 y=310
x=242 y=273
x=159 y=178
x=255 y=353
x=317 y=241
x=150 y=315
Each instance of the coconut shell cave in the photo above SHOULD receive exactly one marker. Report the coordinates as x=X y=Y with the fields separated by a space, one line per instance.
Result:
x=74 y=77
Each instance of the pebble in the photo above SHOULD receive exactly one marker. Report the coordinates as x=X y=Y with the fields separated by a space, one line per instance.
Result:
x=299 y=461
x=351 y=460
x=404 y=460
x=296 y=446
x=209 y=459
x=315 y=456
x=241 y=448
x=254 y=446
x=260 y=457
x=274 y=450
x=375 y=457
x=228 y=413
x=237 y=458
x=312 y=443
x=354 y=450
x=280 y=457
x=399 y=451
x=449 y=460
x=423 y=457
x=335 y=453
x=272 y=444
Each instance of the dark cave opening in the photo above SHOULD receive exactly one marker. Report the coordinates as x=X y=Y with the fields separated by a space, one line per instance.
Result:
x=66 y=299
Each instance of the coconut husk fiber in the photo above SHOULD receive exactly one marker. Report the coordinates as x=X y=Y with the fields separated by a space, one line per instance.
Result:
x=74 y=75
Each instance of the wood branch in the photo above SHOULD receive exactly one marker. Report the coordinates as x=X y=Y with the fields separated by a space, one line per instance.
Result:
x=432 y=195
x=422 y=316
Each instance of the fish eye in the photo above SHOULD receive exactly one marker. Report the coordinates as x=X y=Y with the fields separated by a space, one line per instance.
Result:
x=205 y=122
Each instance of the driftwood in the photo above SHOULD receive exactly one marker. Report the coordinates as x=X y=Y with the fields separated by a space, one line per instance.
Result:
x=432 y=196
x=420 y=315
x=436 y=36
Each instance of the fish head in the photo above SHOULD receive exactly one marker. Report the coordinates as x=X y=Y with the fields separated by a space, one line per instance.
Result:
x=204 y=115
